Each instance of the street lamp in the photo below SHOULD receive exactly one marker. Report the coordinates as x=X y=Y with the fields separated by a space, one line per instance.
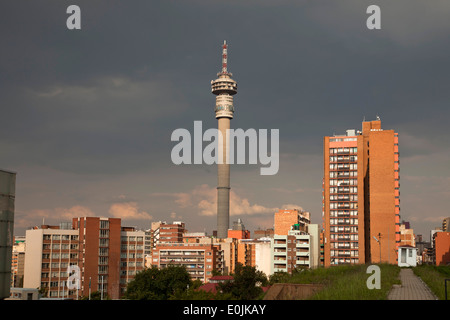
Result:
x=379 y=243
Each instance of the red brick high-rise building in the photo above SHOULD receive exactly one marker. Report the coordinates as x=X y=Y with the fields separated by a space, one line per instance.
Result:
x=99 y=240
x=361 y=205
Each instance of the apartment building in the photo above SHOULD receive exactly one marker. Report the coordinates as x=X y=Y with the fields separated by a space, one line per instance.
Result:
x=446 y=224
x=255 y=253
x=132 y=255
x=361 y=197
x=297 y=249
x=199 y=259
x=48 y=254
x=106 y=254
x=18 y=262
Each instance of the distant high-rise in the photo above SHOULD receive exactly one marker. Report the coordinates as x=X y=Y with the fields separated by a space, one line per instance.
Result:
x=7 y=198
x=361 y=203
x=446 y=224
x=224 y=88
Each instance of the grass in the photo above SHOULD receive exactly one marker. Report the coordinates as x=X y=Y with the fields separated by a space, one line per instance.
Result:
x=434 y=277
x=348 y=282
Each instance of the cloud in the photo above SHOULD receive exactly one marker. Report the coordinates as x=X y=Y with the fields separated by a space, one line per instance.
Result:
x=434 y=219
x=204 y=198
x=50 y=216
x=128 y=211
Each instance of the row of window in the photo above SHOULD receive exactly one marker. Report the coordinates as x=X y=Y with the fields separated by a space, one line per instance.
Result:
x=348 y=237
x=57 y=265
x=343 y=205
x=342 y=139
x=350 y=229
x=58 y=237
x=340 y=213
x=343 y=150
x=343 y=158
x=344 y=197
x=340 y=253
x=60 y=255
x=343 y=166
x=131 y=264
x=58 y=246
x=132 y=239
x=131 y=247
x=344 y=189
x=344 y=245
x=334 y=221
x=138 y=255
x=343 y=174
x=344 y=182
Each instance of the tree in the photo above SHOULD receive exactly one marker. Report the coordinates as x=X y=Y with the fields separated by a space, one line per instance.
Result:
x=158 y=284
x=246 y=284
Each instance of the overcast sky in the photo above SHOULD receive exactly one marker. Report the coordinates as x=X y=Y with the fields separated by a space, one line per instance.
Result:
x=87 y=115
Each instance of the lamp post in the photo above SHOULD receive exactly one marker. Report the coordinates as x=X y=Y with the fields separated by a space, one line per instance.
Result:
x=379 y=243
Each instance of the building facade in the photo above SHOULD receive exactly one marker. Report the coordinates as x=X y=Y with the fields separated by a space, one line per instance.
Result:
x=285 y=219
x=361 y=197
x=107 y=256
x=199 y=259
x=442 y=248
x=291 y=251
x=18 y=262
x=48 y=254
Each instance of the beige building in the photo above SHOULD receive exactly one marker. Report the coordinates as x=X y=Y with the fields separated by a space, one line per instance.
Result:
x=18 y=262
x=48 y=254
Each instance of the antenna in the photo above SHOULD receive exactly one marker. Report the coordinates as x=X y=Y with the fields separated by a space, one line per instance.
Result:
x=224 y=56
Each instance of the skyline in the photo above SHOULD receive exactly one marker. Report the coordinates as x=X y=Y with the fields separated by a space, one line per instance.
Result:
x=90 y=112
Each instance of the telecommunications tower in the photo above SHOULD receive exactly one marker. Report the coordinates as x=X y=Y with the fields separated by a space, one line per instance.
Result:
x=224 y=88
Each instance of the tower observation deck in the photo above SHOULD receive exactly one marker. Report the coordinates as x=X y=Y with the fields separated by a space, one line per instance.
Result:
x=224 y=87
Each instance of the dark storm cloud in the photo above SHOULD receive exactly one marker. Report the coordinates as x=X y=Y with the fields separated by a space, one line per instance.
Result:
x=105 y=99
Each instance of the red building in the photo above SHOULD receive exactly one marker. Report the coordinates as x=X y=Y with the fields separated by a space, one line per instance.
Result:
x=442 y=248
x=361 y=197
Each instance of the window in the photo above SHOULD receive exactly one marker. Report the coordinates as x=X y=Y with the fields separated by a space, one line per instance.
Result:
x=103 y=260
x=104 y=224
x=104 y=233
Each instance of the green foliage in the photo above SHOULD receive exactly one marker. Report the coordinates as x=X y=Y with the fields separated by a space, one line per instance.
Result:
x=279 y=277
x=348 y=282
x=246 y=284
x=434 y=277
x=158 y=284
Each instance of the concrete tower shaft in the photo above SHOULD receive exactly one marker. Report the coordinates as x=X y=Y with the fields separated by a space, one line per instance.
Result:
x=224 y=88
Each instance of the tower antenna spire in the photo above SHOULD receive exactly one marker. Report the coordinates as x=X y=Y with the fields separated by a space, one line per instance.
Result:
x=224 y=57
